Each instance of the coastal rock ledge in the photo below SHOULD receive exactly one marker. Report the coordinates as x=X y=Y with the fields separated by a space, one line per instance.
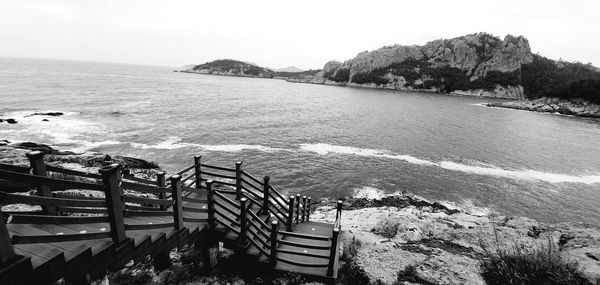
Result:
x=405 y=240
x=575 y=107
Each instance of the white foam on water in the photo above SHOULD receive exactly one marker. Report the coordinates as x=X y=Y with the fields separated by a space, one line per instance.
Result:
x=368 y=193
x=468 y=206
x=175 y=143
x=491 y=170
x=239 y=147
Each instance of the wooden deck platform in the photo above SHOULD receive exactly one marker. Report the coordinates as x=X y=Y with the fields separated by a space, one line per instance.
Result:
x=81 y=238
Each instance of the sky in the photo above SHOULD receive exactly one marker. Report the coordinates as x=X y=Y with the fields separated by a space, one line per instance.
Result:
x=276 y=34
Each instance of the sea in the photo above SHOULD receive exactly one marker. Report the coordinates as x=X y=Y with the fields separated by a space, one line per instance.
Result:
x=315 y=140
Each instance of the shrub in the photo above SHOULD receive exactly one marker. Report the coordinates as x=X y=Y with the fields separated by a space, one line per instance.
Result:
x=387 y=228
x=351 y=249
x=540 y=264
x=409 y=274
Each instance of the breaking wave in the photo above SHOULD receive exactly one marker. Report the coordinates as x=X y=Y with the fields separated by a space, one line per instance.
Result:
x=526 y=174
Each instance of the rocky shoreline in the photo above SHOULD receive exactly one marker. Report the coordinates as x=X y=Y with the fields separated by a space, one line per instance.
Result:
x=574 y=107
x=389 y=240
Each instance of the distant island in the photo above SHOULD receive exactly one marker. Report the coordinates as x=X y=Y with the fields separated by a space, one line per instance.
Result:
x=474 y=65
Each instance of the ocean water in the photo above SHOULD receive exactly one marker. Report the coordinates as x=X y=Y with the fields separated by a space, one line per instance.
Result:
x=315 y=140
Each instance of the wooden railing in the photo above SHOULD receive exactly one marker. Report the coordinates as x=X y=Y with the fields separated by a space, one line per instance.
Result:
x=250 y=208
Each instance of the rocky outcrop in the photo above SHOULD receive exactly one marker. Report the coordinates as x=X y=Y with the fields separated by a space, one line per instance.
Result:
x=476 y=65
x=575 y=107
x=430 y=243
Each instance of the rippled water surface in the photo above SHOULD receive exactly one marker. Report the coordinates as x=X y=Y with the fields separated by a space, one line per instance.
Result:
x=317 y=140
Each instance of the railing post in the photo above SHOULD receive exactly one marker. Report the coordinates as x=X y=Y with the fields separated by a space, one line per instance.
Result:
x=243 y=220
x=210 y=248
x=111 y=177
x=7 y=252
x=273 y=255
x=303 y=208
x=238 y=180
x=290 y=218
x=308 y=207
x=210 y=205
x=177 y=206
x=333 y=251
x=266 y=187
x=338 y=213
x=160 y=182
x=36 y=160
x=298 y=209
x=198 y=171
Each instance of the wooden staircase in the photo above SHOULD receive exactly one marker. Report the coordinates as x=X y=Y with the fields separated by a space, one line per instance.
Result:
x=81 y=238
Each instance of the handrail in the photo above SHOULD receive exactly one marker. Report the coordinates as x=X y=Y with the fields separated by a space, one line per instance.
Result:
x=251 y=192
x=218 y=175
x=144 y=188
x=283 y=204
x=137 y=179
x=252 y=177
x=83 y=210
x=262 y=250
x=14 y=168
x=283 y=211
x=186 y=170
x=188 y=178
x=226 y=199
x=227 y=226
x=43 y=219
x=232 y=221
x=252 y=200
x=224 y=183
x=259 y=230
x=137 y=227
x=53 y=182
x=262 y=223
x=217 y=167
x=194 y=200
x=47 y=201
x=225 y=208
x=72 y=172
x=278 y=194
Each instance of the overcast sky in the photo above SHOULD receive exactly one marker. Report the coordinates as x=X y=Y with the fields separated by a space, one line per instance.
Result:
x=276 y=34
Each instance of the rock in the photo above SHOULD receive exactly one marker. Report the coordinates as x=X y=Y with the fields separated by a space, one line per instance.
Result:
x=45 y=120
x=53 y=114
x=11 y=121
x=40 y=147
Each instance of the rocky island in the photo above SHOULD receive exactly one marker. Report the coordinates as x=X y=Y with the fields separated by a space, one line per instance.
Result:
x=230 y=67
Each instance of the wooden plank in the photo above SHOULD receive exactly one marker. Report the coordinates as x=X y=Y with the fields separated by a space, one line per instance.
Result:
x=218 y=175
x=58 y=238
x=148 y=213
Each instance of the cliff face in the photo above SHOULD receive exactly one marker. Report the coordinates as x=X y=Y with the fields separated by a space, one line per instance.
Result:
x=230 y=67
x=477 y=64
